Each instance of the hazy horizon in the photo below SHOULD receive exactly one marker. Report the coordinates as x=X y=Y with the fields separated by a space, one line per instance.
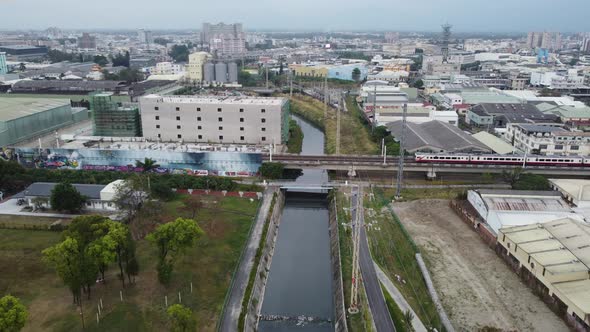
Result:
x=501 y=16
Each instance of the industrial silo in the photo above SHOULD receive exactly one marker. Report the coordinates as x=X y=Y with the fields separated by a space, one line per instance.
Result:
x=232 y=71
x=220 y=72
x=209 y=72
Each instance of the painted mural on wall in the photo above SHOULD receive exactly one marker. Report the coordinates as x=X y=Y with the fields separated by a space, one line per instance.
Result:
x=192 y=163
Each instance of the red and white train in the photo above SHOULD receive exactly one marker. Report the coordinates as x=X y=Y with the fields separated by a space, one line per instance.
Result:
x=494 y=159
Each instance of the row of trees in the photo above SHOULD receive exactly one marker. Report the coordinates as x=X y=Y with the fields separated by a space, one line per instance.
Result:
x=91 y=244
x=14 y=177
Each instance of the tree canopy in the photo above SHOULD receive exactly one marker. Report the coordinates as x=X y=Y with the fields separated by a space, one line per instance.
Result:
x=271 y=170
x=65 y=197
x=121 y=60
x=13 y=314
x=179 y=53
x=172 y=240
x=356 y=74
x=181 y=318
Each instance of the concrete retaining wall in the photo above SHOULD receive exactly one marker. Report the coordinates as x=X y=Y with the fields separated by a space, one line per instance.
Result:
x=337 y=284
x=255 y=302
x=434 y=295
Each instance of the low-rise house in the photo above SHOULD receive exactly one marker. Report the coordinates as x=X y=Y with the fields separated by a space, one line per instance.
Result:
x=99 y=197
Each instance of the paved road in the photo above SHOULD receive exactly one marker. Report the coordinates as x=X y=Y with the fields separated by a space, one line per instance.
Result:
x=231 y=313
x=377 y=304
x=399 y=299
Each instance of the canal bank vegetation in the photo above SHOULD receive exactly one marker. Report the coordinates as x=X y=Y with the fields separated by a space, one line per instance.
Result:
x=399 y=318
x=257 y=257
x=363 y=320
x=355 y=137
x=295 y=143
x=394 y=250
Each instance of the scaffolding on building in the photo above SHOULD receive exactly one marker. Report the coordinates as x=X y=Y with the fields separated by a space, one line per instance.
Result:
x=111 y=119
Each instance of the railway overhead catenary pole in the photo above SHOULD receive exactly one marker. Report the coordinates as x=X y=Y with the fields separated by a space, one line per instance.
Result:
x=400 y=169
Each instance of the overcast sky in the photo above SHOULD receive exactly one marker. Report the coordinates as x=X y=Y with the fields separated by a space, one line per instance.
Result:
x=402 y=15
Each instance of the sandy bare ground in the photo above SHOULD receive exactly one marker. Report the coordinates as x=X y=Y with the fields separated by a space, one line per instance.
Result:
x=476 y=287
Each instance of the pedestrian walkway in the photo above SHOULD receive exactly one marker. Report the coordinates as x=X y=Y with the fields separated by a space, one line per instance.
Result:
x=399 y=299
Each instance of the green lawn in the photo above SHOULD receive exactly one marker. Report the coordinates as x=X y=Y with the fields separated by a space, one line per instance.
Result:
x=393 y=249
x=29 y=222
x=208 y=266
x=413 y=194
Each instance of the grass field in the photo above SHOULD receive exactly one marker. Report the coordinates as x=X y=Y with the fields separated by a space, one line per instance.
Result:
x=28 y=222
x=354 y=136
x=361 y=321
x=208 y=266
x=413 y=194
x=393 y=249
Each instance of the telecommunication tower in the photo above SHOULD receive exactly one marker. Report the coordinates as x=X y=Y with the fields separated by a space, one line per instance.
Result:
x=446 y=38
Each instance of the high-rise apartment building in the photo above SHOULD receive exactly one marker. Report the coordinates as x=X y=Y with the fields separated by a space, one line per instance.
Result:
x=145 y=36
x=224 y=39
x=547 y=40
x=87 y=42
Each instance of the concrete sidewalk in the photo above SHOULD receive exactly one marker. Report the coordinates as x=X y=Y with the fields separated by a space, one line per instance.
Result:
x=10 y=207
x=233 y=307
x=399 y=298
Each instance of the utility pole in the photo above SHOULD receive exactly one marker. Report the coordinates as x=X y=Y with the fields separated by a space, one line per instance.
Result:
x=356 y=231
x=266 y=66
x=290 y=84
x=338 y=111
x=400 y=168
x=374 y=107
x=326 y=100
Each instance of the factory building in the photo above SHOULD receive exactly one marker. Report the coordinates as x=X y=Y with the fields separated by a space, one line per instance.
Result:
x=507 y=208
x=111 y=119
x=196 y=61
x=554 y=259
x=213 y=119
x=26 y=118
x=24 y=52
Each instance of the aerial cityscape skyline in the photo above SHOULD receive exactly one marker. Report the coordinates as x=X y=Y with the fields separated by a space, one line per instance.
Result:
x=325 y=166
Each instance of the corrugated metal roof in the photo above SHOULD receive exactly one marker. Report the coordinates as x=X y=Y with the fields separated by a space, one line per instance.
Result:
x=495 y=143
x=14 y=108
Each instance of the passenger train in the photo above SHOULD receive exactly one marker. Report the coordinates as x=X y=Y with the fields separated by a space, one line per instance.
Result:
x=493 y=159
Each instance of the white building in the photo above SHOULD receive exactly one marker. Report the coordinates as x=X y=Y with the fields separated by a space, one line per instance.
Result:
x=196 y=61
x=414 y=114
x=98 y=197
x=548 y=139
x=168 y=68
x=509 y=208
x=214 y=119
x=453 y=99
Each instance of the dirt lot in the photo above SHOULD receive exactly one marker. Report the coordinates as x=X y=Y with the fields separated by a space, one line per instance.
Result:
x=476 y=287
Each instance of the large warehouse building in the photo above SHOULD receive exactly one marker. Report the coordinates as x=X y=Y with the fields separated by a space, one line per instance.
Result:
x=554 y=258
x=26 y=118
x=213 y=119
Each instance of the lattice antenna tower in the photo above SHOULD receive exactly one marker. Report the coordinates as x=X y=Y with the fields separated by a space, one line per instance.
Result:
x=446 y=38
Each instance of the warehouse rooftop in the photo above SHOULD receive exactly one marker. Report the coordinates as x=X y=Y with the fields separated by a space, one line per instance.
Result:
x=231 y=100
x=14 y=108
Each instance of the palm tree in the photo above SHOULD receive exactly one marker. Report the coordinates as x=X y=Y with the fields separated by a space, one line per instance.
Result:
x=148 y=165
x=409 y=317
x=22 y=67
